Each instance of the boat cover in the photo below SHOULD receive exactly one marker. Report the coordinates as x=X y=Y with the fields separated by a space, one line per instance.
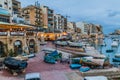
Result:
x=52 y=57
x=75 y=66
x=84 y=69
x=15 y=64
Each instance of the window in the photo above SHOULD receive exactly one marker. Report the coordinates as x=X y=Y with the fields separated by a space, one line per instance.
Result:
x=5 y=3
x=0 y=5
x=4 y=19
x=9 y=8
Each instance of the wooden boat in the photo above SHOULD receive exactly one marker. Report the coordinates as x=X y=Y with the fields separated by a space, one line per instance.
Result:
x=91 y=62
x=117 y=55
x=116 y=59
x=109 y=50
x=84 y=69
x=14 y=64
x=95 y=78
x=103 y=44
x=114 y=44
x=75 y=66
x=61 y=43
x=74 y=44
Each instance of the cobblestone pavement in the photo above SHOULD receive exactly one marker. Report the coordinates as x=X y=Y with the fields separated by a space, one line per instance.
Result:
x=56 y=71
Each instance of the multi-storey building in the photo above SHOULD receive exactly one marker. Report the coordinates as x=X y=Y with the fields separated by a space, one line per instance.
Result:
x=16 y=6
x=32 y=13
x=71 y=27
x=4 y=15
x=6 y=4
x=83 y=26
x=60 y=22
x=48 y=18
x=65 y=24
x=16 y=39
x=57 y=22
x=95 y=29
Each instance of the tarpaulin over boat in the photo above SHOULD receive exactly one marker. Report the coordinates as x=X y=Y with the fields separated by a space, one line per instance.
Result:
x=14 y=64
x=91 y=61
x=84 y=69
x=52 y=57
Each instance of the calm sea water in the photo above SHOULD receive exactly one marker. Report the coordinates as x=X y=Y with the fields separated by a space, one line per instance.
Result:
x=102 y=49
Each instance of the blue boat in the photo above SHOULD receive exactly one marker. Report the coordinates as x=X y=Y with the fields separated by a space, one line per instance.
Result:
x=75 y=66
x=84 y=69
x=109 y=50
x=116 y=59
x=14 y=64
x=52 y=57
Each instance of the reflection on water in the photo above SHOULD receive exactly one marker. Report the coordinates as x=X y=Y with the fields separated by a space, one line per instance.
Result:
x=102 y=49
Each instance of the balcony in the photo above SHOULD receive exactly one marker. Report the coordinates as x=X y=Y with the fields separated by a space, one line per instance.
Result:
x=50 y=18
x=3 y=33
x=17 y=33
x=50 y=22
x=37 y=16
x=50 y=14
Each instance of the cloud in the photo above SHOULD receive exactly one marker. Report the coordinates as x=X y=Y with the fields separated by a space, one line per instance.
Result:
x=112 y=13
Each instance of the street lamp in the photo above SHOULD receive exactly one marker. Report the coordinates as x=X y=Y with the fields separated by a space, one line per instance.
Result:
x=56 y=42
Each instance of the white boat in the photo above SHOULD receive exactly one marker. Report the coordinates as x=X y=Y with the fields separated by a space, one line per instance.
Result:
x=62 y=43
x=103 y=44
x=75 y=44
x=114 y=44
x=95 y=78
x=117 y=55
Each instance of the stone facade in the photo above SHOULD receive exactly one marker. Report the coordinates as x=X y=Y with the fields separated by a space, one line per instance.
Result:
x=20 y=41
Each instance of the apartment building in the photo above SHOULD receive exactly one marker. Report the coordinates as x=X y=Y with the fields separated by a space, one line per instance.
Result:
x=95 y=29
x=60 y=22
x=4 y=15
x=33 y=14
x=71 y=27
x=48 y=18
x=6 y=4
x=16 y=6
x=83 y=26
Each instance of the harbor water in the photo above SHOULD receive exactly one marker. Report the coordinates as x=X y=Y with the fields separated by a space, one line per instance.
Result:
x=102 y=49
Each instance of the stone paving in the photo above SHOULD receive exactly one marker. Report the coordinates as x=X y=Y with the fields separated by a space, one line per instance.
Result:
x=56 y=71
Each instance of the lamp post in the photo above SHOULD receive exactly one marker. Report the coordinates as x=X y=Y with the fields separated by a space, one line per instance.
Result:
x=56 y=42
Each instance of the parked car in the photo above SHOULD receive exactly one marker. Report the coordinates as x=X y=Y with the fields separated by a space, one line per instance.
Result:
x=32 y=76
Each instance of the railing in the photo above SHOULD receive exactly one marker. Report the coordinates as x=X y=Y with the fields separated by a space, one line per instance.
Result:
x=17 y=33
x=3 y=33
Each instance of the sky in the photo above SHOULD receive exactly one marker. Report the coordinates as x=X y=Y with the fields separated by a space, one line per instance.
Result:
x=103 y=12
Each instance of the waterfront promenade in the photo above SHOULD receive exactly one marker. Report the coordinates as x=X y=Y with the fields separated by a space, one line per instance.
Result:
x=56 y=71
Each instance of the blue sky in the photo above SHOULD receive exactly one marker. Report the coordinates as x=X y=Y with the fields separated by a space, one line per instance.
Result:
x=104 y=12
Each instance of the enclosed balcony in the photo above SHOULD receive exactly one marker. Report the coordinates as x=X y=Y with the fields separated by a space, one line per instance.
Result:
x=17 y=33
x=3 y=33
